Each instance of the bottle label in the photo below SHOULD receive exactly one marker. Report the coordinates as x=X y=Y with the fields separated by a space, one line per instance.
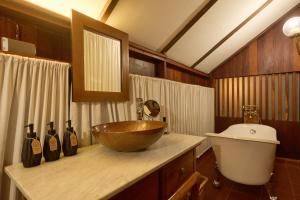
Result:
x=36 y=147
x=73 y=140
x=53 y=143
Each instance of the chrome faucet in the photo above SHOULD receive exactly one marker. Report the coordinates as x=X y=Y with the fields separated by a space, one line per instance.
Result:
x=139 y=108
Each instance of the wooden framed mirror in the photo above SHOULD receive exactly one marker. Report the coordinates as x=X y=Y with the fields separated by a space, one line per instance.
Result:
x=100 y=61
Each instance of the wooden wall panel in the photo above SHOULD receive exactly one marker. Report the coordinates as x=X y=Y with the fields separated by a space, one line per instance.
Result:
x=296 y=57
x=294 y=99
x=51 y=41
x=175 y=74
x=7 y=27
x=239 y=65
x=271 y=92
x=141 y=67
x=275 y=51
x=154 y=69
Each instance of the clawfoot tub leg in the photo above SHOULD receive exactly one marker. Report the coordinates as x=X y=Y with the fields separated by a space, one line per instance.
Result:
x=216 y=181
x=270 y=189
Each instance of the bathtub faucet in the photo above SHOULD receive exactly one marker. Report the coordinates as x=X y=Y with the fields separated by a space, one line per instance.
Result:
x=139 y=108
x=250 y=114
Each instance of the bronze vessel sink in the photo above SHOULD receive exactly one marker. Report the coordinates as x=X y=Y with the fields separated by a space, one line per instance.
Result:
x=129 y=135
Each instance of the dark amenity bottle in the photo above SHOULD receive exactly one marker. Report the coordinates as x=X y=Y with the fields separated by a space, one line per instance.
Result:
x=52 y=146
x=31 y=150
x=70 y=142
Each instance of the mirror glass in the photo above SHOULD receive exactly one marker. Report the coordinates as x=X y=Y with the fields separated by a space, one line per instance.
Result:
x=151 y=108
x=102 y=62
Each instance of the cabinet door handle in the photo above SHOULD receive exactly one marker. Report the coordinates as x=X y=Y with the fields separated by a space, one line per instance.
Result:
x=182 y=171
x=17 y=32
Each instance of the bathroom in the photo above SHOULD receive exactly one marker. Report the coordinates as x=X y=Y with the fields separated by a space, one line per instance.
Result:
x=193 y=99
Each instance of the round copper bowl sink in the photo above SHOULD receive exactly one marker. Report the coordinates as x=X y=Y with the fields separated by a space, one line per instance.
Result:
x=129 y=135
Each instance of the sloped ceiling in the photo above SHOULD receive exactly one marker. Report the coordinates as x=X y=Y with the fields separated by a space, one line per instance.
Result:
x=154 y=23
x=220 y=20
x=222 y=30
x=250 y=30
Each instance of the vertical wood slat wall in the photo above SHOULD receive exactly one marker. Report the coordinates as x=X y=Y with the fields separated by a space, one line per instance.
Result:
x=276 y=95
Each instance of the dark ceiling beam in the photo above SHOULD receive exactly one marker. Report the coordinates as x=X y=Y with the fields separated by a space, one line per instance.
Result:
x=189 y=25
x=109 y=10
x=232 y=32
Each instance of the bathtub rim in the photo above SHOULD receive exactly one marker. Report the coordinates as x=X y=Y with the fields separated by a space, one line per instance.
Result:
x=277 y=142
x=250 y=124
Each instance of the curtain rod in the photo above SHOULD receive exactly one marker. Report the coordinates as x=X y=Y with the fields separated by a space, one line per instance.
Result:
x=36 y=57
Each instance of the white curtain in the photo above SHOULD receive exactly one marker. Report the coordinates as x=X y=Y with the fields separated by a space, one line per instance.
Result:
x=189 y=108
x=36 y=91
x=31 y=91
x=102 y=62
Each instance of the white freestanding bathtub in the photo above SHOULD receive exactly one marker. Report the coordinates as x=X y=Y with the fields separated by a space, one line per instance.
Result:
x=245 y=153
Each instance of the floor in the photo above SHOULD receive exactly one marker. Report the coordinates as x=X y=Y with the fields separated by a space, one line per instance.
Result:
x=286 y=182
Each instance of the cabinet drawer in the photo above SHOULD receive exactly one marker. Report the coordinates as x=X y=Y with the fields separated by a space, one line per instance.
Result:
x=176 y=173
x=146 y=189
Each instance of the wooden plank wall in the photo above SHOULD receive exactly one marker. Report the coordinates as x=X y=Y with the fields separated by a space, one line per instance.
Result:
x=176 y=74
x=52 y=42
x=266 y=72
x=144 y=68
x=276 y=95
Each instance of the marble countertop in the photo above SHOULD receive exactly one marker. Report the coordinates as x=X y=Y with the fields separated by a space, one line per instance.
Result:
x=97 y=172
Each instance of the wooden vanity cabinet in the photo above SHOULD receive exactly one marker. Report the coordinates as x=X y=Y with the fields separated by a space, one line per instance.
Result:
x=145 y=189
x=174 y=174
x=167 y=169
x=162 y=183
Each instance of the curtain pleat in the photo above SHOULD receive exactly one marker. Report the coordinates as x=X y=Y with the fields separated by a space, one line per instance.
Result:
x=31 y=91
x=102 y=62
x=189 y=108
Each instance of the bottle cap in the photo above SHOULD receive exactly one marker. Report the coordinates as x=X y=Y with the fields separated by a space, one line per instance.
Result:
x=51 y=124
x=30 y=127
x=31 y=133
x=51 y=131
x=69 y=127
